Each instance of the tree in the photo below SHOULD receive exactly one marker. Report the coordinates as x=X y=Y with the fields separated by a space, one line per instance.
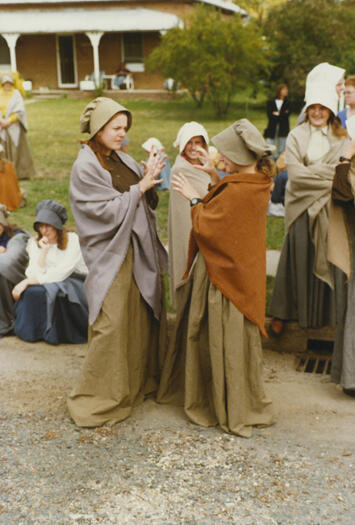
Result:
x=211 y=56
x=258 y=9
x=303 y=33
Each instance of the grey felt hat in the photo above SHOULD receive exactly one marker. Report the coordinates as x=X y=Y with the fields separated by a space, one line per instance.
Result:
x=98 y=112
x=242 y=143
x=3 y=214
x=50 y=212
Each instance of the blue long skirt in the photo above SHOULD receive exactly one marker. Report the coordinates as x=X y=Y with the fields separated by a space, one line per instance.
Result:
x=55 y=313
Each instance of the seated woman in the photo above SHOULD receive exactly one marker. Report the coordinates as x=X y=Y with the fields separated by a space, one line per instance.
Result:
x=190 y=137
x=51 y=303
x=342 y=253
x=121 y=75
x=10 y=193
x=13 y=262
x=214 y=361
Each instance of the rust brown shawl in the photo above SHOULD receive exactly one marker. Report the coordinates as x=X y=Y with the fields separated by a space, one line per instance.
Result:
x=229 y=228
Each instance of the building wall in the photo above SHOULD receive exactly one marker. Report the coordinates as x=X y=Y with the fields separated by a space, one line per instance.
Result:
x=37 y=57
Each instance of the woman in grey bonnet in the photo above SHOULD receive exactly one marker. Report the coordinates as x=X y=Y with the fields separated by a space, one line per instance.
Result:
x=50 y=301
x=113 y=201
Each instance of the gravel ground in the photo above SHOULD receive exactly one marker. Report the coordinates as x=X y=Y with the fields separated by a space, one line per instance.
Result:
x=158 y=468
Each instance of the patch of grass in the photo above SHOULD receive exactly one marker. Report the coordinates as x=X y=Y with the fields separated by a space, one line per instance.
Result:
x=55 y=136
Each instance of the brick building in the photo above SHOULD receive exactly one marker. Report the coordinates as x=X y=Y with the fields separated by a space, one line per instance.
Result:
x=56 y=44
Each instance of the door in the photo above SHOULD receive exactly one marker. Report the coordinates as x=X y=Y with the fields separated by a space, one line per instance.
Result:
x=66 y=60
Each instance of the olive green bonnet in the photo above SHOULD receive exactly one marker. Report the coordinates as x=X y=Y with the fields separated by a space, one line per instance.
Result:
x=98 y=112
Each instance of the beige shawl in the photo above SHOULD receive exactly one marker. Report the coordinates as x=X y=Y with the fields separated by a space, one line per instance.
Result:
x=340 y=231
x=180 y=220
x=309 y=189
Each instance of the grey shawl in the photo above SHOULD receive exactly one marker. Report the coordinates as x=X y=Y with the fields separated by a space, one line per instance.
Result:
x=14 y=261
x=309 y=189
x=180 y=220
x=107 y=223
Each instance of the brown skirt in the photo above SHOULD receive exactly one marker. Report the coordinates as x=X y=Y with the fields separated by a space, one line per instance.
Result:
x=214 y=362
x=125 y=354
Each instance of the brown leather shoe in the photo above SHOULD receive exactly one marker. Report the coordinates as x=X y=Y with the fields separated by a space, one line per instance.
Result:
x=277 y=326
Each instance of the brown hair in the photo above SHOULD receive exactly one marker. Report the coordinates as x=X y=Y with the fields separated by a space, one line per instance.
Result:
x=266 y=165
x=350 y=81
x=337 y=128
x=9 y=229
x=279 y=89
x=62 y=238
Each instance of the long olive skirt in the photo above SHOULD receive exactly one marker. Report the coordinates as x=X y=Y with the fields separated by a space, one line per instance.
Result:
x=214 y=362
x=125 y=353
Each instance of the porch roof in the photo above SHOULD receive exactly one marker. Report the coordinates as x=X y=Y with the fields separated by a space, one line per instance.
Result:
x=81 y=20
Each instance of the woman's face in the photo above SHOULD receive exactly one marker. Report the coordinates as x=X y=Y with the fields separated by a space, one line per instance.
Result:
x=112 y=135
x=349 y=94
x=190 y=150
x=318 y=115
x=48 y=231
x=7 y=86
x=284 y=92
x=229 y=165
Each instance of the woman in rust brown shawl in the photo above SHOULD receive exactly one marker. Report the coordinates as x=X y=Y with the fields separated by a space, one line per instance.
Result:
x=113 y=205
x=214 y=362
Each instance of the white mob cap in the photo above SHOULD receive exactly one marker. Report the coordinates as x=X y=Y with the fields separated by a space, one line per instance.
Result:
x=318 y=93
x=152 y=142
x=187 y=131
x=324 y=74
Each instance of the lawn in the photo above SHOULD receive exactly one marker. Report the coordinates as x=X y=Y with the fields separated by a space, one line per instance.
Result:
x=55 y=137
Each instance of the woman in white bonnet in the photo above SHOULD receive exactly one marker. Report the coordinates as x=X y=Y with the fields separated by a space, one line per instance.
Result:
x=190 y=137
x=304 y=283
x=113 y=201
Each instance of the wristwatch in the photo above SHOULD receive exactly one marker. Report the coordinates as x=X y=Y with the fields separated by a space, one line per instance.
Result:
x=194 y=201
x=344 y=159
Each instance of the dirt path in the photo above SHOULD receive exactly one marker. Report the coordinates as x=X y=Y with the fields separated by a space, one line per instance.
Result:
x=156 y=467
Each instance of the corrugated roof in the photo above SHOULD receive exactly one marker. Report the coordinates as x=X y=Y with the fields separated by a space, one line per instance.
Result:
x=80 y=20
x=223 y=4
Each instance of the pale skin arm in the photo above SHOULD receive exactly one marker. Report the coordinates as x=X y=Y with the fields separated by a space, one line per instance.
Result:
x=180 y=183
x=2 y=249
x=152 y=169
x=207 y=165
x=5 y=123
x=20 y=287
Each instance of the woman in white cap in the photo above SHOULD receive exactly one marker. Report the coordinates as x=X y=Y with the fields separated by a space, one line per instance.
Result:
x=50 y=301
x=13 y=262
x=214 y=363
x=13 y=128
x=113 y=201
x=158 y=147
x=191 y=136
x=304 y=283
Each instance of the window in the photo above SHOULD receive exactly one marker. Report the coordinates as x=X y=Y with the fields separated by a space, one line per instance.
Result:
x=132 y=47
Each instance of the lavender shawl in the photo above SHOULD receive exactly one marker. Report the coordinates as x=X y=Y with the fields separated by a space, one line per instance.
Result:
x=107 y=223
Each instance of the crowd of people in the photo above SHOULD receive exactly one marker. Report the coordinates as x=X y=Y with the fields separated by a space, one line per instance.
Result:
x=105 y=283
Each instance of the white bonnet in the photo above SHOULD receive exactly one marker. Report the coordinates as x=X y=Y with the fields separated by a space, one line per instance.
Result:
x=324 y=74
x=152 y=142
x=187 y=131
x=318 y=93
